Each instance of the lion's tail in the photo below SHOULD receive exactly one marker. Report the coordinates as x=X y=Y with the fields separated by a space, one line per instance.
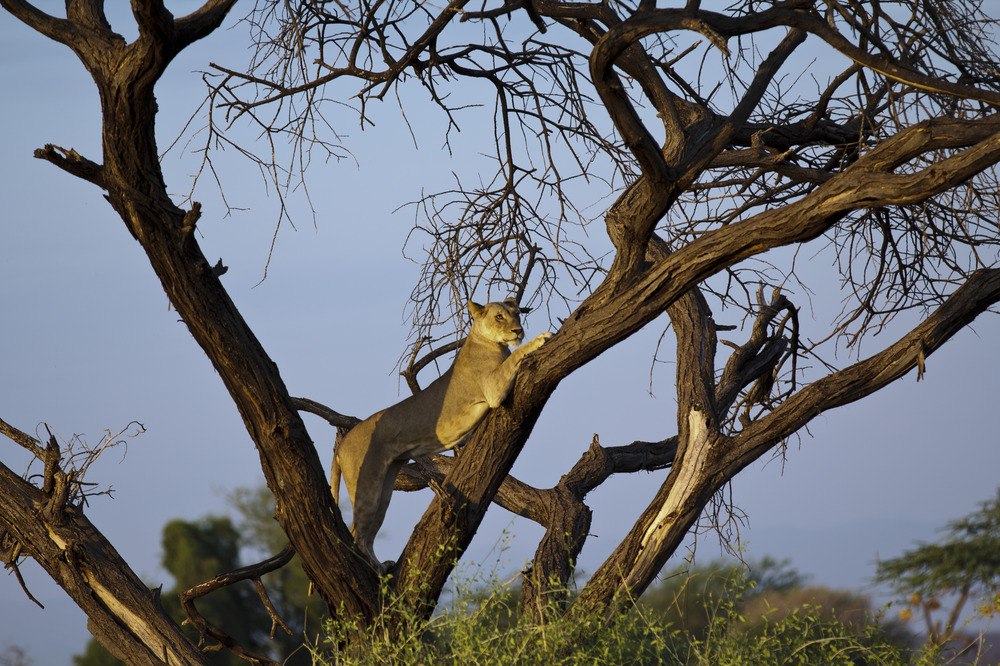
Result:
x=335 y=468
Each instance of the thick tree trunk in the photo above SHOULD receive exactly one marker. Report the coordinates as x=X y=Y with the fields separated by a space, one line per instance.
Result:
x=291 y=466
x=643 y=282
x=626 y=301
x=125 y=75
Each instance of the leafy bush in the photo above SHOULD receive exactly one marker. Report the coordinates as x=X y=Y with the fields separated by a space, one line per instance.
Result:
x=804 y=637
x=480 y=629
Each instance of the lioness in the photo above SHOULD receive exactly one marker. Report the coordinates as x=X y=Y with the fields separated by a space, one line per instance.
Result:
x=438 y=418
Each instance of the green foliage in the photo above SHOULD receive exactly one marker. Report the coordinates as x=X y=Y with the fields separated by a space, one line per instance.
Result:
x=845 y=607
x=692 y=597
x=969 y=555
x=804 y=637
x=484 y=629
x=483 y=632
x=722 y=613
x=964 y=564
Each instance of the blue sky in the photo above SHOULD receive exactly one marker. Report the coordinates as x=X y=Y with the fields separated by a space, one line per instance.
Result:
x=88 y=344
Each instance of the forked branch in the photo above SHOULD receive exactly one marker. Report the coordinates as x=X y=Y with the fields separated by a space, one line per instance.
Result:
x=980 y=292
x=253 y=573
x=123 y=614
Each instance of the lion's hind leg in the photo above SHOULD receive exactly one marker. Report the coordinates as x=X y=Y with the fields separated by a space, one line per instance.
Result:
x=371 y=500
x=383 y=503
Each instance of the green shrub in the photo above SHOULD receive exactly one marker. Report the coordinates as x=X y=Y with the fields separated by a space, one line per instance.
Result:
x=484 y=629
x=803 y=637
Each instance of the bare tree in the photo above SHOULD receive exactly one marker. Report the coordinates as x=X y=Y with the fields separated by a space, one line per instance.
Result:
x=716 y=150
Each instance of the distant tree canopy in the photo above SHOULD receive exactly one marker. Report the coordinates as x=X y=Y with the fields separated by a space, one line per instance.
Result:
x=647 y=164
x=964 y=565
x=756 y=593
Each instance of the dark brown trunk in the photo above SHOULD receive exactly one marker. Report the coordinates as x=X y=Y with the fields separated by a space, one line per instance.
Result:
x=122 y=613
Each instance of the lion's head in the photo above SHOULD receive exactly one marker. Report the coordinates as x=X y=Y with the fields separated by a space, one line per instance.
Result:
x=497 y=322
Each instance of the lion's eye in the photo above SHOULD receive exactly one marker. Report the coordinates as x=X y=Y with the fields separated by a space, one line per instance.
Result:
x=499 y=317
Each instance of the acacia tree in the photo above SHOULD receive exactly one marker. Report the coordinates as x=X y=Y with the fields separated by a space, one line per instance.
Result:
x=962 y=566
x=889 y=159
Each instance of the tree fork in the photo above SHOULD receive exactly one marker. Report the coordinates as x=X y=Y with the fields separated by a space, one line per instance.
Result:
x=711 y=459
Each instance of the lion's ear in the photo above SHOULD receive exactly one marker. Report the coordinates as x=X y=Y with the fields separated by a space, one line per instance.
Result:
x=475 y=309
x=512 y=303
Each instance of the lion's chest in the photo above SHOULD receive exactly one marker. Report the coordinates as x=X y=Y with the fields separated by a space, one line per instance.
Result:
x=465 y=404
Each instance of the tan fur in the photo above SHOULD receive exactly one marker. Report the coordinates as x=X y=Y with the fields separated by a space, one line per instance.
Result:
x=438 y=418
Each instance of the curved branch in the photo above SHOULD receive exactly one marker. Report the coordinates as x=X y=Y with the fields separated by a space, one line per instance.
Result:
x=336 y=419
x=251 y=572
x=721 y=459
x=636 y=212
x=58 y=29
x=758 y=355
x=980 y=292
x=634 y=133
x=153 y=19
x=514 y=495
x=715 y=27
x=23 y=439
x=416 y=365
x=201 y=23
x=593 y=468
x=866 y=184
x=891 y=70
x=692 y=483
x=560 y=509
x=157 y=25
x=719 y=26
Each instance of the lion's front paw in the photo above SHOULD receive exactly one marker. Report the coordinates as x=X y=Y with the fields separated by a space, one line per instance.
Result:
x=538 y=341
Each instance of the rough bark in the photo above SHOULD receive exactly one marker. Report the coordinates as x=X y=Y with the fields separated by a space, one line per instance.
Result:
x=712 y=459
x=612 y=314
x=125 y=75
x=122 y=613
x=560 y=510
x=636 y=289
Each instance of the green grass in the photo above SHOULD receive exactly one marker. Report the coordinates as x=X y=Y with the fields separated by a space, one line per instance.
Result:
x=483 y=628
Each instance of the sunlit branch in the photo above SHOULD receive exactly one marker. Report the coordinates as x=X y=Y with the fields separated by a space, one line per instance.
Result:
x=980 y=292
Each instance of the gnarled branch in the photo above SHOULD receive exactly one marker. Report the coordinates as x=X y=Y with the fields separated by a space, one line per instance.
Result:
x=252 y=572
